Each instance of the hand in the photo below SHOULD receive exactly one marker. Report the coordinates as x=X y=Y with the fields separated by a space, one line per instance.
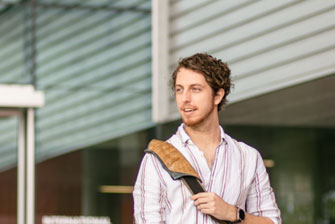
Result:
x=211 y=204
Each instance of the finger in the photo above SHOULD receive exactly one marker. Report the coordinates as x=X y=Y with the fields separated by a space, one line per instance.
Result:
x=200 y=195
x=205 y=198
x=207 y=211
x=201 y=201
x=203 y=206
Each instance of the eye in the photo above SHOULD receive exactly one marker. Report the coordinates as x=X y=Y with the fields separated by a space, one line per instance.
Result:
x=178 y=90
x=196 y=89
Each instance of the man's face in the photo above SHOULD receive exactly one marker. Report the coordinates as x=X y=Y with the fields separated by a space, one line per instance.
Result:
x=195 y=99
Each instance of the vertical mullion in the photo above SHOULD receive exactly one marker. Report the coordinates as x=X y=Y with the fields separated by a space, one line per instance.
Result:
x=30 y=202
x=21 y=181
x=160 y=60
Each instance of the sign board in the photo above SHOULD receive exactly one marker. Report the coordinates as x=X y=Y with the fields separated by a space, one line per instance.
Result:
x=75 y=220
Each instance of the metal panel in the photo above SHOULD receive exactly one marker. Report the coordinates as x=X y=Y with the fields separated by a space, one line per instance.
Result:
x=94 y=66
x=12 y=57
x=268 y=45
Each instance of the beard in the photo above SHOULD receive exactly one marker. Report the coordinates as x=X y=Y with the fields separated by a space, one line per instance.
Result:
x=194 y=122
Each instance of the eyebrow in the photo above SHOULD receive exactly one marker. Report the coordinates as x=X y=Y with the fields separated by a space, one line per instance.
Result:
x=197 y=84
x=192 y=85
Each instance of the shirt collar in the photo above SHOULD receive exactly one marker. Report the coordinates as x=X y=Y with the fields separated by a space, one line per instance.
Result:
x=186 y=139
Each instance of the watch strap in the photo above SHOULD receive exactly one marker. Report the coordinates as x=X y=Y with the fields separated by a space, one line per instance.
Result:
x=240 y=214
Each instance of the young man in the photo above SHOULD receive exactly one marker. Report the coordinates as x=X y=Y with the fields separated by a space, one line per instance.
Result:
x=232 y=173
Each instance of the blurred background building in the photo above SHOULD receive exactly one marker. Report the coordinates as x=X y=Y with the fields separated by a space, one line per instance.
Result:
x=104 y=68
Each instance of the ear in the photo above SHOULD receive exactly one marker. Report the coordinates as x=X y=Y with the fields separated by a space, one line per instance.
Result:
x=218 y=96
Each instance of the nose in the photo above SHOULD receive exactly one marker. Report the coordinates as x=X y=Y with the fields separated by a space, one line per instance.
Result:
x=186 y=96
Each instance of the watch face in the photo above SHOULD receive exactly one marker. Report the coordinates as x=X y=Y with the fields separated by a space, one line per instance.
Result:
x=241 y=214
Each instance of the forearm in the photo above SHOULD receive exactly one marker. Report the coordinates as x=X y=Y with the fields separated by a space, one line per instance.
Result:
x=251 y=219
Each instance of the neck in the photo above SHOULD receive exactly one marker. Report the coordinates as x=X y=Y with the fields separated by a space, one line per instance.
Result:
x=206 y=135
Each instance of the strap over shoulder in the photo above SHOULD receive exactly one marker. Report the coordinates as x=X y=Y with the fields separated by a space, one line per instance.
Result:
x=172 y=160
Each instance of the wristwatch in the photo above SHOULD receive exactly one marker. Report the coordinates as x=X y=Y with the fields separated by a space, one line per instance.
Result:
x=240 y=215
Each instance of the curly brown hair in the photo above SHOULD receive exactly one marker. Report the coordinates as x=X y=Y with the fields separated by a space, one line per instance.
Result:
x=216 y=73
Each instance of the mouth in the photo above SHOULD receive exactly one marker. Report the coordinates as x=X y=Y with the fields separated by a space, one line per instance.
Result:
x=188 y=110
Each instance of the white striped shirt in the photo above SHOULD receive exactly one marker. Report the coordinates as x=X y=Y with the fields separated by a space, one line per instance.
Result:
x=238 y=175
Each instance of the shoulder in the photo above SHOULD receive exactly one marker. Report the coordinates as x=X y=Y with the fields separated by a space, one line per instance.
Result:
x=149 y=161
x=249 y=152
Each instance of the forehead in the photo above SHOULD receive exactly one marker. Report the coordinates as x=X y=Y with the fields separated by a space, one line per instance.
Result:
x=189 y=77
